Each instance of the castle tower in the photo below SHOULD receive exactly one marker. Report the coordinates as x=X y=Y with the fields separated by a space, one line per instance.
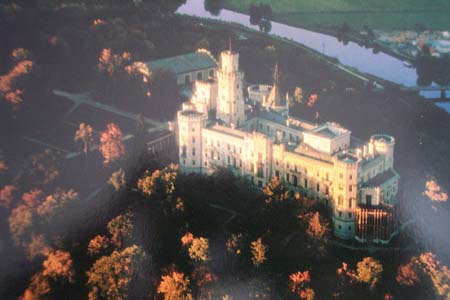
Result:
x=230 y=100
x=345 y=196
x=190 y=125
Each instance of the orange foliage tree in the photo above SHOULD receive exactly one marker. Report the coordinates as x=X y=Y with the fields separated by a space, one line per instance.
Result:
x=6 y=195
x=33 y=197
x=175 y=286
x=299 y=285
x=111 y=146
x=85 y=136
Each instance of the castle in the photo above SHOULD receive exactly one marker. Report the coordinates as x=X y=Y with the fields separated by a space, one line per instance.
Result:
x=257 y=139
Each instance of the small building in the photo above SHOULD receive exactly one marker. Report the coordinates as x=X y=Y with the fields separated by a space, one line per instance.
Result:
x=188 y=68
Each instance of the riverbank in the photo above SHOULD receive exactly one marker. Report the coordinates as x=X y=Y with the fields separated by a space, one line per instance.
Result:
x=380 y=15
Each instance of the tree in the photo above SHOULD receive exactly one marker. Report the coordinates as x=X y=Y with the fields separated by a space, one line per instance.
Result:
x=98 y=244
x=369 y=271
x=54 y=203
x=198 y=250
x=299 y=283
x=113 y=277
x=312 y=100
x=59 y=266
x=259 y=252
x=276 y=192
x=234 y=244
x=408 y=274
x=319 y=232
x=37 y=246
x=44 y=167
x=175 y=286
x=117 y=179
x=9 y=89
x=121 y=229
x=33 y=197
x=213 y=6
x=434 y=193
x=85 y=136
x=6 y=195
x=111 y=146
x=21 y=224
x=38 y=288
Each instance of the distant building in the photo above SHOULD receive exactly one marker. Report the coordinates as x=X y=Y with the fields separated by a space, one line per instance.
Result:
x=188 y=68
x=261 y=141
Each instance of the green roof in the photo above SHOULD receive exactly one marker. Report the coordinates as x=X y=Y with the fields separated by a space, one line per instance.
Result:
x=184 y=63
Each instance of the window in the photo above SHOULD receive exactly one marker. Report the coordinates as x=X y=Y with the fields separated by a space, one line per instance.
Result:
x=211 y=73
x=277 y=174
x=294 y=178
x=327 y=190
x=350 y=202
x=206 y=163
x=199 y=76
x=369 y=200
x=193 y=140
x=349 y=228
x=327 y=176
x=350 y=188
x=350 y=215
x=193 y=151
x=350 y=176
x=187 y=79
x=318 y=187
x=193 y=162
x=340 y=200
x=339 y=226
x=340 y=213
x=287 y=177
x=306 y=183
x=183 y=151
x=341 y=176
x=268 y=128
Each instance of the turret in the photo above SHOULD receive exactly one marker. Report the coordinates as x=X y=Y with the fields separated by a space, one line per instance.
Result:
x=230 y=101
x=190 y=125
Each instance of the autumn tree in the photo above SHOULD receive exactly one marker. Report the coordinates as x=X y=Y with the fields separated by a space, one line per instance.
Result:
x=117 y=179
x=113 y=277
x=121 y=229
x=175 y=286
x=276 y=192
x=44 y=167
x=259 y=252
x=38 y=288
x=434 y=193
x=198 y=250
x=318 y=231
x=21 y=223
x=369 y=271
x=33 y=197
x=85 y=136
x=204 y=279
x=427 y=266
x=6 y=195
x=54 y=203
x=9 y=82
x=299 y=285
x=234 y=244
x=59 y=266
x=38 y=246
x=98 y=245
x=111 y=146
x=160 y=186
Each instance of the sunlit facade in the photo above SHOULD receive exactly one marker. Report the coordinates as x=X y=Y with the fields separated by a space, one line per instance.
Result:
x=257 y=139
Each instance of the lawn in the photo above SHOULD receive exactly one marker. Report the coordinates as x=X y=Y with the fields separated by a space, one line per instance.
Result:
x=383 y=14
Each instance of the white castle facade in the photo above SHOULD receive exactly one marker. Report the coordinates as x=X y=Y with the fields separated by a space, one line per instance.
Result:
x=261 y=141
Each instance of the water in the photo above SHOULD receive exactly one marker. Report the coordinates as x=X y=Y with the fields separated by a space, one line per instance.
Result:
x=365 y=60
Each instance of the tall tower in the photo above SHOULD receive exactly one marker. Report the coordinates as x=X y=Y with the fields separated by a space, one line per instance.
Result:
x=230 y=101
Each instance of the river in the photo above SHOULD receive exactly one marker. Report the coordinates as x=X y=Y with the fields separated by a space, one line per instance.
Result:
x=351 y=54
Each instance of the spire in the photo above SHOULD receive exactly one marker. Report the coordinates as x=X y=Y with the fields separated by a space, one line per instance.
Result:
x=274 y=99
x=276 y=76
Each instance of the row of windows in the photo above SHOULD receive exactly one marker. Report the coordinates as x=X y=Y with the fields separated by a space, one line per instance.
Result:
x=341 y=201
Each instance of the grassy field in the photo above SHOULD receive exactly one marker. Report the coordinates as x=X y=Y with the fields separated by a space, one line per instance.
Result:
x=383 y=14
